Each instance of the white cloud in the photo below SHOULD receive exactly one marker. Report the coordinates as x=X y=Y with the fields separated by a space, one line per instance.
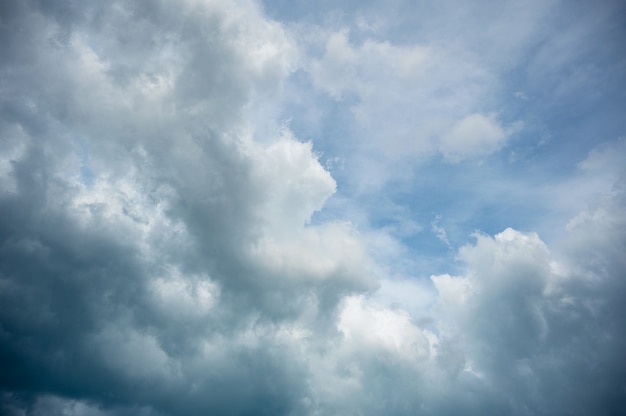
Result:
x=185 y=297
x=345 y=68
x=472 y=136
x=408 y=294
x=439 y=231
x=409 y=102
x=296 y=183
x=370 y=326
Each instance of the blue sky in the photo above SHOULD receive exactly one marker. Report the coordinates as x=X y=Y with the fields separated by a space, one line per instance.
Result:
x=312 y=208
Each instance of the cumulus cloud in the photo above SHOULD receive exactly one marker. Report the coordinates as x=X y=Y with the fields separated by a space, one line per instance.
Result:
x=522 y=329
x=158 y=257
x=144 y=231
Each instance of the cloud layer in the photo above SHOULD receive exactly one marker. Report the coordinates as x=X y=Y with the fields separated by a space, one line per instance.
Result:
x=160 y=254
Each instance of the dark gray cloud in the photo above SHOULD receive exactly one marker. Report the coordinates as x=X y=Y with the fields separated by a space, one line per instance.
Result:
x=158 y=258
x=125 y=190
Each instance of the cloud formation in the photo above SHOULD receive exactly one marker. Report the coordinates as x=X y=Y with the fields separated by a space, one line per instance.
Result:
x=160 y=252
x=385 y=81
x=474 y=135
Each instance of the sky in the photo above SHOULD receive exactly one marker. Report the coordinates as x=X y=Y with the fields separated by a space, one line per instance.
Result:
x=270 y=207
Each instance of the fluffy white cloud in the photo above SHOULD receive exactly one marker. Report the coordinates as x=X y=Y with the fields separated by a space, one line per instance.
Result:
x=295 y=181
x=367 y=326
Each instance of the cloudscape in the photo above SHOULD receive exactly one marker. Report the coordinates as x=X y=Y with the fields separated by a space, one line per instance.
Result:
x=271 y=207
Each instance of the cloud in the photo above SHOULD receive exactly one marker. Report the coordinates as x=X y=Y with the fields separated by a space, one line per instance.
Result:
x=160 y=254
x=439 y=231
x=147 y=283
x=408 y=102
x=345 y=68
x=524 y=320
x=606 y=159
x=299 y=185
x=474 y=135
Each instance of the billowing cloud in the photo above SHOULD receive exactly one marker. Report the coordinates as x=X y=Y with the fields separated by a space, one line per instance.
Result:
x=522 y=329
x=144 y=232
x=162 y=252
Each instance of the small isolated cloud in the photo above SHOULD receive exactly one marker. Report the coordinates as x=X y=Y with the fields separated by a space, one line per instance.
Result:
x=439 y=231
x=473 y=136
x=521 y=95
